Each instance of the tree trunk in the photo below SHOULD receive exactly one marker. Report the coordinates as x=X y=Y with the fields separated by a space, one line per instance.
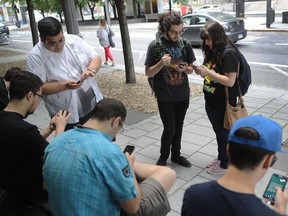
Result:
x=134 y=9
x=81 y=12
x=128 y=58
x=32 y=21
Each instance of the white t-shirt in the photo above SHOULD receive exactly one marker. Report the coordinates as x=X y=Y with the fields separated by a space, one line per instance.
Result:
x=66 y=65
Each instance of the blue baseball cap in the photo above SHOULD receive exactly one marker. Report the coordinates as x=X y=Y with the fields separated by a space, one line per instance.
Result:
x=270 y=133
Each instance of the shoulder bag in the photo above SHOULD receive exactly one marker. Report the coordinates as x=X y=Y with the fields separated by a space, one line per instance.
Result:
x=232 y=113
x=111 y=42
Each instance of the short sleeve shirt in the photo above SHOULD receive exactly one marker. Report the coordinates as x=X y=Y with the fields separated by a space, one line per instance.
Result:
x=214 y=92
x=210 y=199
x=87 y=174
x=66 y=65
x=21 y=156
x=170 y=85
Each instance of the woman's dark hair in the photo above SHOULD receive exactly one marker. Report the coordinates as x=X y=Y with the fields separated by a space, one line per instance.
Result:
x=166 y=20
x=22 y=83
x=214 y=31
x=245 y=157
x=49 y=26
x=108 y=108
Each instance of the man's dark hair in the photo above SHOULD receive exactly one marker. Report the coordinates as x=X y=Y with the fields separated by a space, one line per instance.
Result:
x=108 y=108
x=166 y=20
x=49 y=26
x=245 y=157
x=11 y=72
x=22 y=83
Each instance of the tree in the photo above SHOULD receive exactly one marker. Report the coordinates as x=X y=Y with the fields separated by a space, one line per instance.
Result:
x=91 y=5
x=33 y=27
x=128 y=58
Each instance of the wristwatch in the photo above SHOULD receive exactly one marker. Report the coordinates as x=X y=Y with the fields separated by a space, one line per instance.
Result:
x=91 y=69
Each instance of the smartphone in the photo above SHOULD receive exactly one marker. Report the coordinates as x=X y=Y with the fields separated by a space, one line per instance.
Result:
x=183 y=63
x=194 y=67
x=129 y=149
x=275 y=181
x=81 y=80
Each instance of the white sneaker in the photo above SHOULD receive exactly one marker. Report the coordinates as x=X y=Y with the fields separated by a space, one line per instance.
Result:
x=216 y=170
x=215 y=162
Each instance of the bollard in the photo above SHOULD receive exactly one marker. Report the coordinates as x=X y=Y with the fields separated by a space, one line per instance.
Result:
x=285 y=17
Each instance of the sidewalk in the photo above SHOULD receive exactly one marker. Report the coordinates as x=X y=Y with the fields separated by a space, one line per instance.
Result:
x=198 y=140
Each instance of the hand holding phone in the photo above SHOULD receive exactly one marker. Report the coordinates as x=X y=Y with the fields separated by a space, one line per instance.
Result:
x=81 y=80
x=275 y=181
x=129 y=149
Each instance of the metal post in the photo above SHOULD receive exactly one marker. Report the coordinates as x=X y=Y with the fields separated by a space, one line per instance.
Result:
x=70 y=17
x=268 y=22
x=106 y=6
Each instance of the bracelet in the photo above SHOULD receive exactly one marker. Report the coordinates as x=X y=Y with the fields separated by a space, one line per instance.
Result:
x=91 y=69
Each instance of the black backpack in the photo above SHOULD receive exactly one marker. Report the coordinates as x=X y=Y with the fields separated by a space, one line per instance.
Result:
x=245 y=78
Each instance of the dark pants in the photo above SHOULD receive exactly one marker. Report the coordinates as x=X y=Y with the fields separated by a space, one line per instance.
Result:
x=216 y=117
x=172 y=115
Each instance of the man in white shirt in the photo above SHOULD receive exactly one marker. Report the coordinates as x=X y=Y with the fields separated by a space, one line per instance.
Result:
x=67 y=65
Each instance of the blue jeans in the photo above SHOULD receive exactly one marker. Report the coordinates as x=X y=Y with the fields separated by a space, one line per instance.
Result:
x=172 y=115
x=216 y=117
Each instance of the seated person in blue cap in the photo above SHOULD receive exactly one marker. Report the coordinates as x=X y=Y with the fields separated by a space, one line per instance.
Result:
x=253 y=142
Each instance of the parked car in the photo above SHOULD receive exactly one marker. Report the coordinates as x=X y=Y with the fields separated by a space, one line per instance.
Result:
x=233 y=27
x=4 y=28
x=208 y=8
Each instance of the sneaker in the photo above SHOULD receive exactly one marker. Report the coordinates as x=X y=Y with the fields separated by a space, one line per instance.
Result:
x=216 y=170
x=113 y=64
x=182 y=161
x=215 y=162
x=105 y=63
x=161 y=162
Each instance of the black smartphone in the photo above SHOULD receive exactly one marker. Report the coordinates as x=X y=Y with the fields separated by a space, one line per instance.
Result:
x=129 y=149
x=81 y=80
x=275 y=181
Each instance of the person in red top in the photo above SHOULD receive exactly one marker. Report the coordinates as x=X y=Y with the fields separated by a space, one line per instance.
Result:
x=184 y=10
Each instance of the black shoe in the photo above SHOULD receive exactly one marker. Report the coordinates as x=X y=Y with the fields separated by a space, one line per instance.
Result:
x=161 y=162
x=182 y=161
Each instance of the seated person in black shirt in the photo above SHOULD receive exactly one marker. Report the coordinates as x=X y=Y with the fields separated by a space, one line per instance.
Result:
x=22 y=144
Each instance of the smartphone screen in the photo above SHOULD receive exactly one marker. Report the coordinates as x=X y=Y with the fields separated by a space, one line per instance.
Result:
x=275 y=181
x=183 y=63
x=129 y=149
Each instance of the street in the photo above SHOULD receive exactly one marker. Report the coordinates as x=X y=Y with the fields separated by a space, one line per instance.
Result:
x=266 y=52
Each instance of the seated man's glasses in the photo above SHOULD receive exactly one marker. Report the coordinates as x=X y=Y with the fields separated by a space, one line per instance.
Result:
x=55 y=44
x=40 y=96
x=274 y=160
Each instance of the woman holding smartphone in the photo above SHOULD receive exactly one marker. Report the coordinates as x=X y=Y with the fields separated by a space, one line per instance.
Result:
x=219 y=69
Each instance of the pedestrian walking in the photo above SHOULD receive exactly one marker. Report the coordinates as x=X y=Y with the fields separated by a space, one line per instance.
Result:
x=103 y=34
